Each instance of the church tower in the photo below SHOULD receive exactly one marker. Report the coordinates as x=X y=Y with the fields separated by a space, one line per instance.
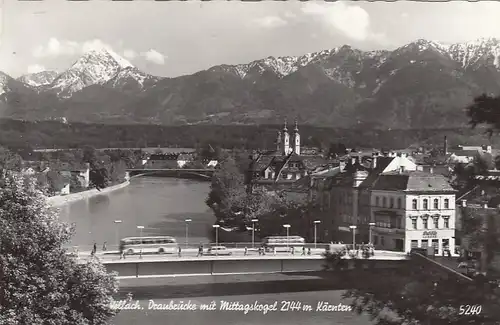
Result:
x=296 y=139
x=286 y=140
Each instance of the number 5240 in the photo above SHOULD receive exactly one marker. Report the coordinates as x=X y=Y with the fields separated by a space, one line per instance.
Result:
x=470 y=310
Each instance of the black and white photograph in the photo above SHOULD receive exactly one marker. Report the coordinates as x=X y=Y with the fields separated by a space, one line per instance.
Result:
x=249 y=163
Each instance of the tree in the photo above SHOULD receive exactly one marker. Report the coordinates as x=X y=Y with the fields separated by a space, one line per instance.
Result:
x=337 y=149
x=481 y=228
x=417 y=294
x=117 y=172
x=227 y=190
x=99 y=178
x=258 y=203
x=9 y=160
x=485 y=110
x=39 y=283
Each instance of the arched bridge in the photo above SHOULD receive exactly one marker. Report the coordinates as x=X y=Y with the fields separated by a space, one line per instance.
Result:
x=203 y=174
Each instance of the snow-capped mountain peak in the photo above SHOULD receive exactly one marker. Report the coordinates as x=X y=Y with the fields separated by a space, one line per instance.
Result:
x=38 y=79
x=4 y=80
x=480 y=51
x=131 y=78
x=104 y=54
x=422 y=45
x=94 y=67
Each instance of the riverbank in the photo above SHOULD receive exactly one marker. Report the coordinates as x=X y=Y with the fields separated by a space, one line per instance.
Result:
x=59 y=200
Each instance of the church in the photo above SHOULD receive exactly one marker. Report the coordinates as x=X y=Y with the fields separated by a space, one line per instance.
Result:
x=286 y=164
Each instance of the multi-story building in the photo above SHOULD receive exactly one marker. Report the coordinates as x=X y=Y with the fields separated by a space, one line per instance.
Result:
x=413 y=209
x=349 y=191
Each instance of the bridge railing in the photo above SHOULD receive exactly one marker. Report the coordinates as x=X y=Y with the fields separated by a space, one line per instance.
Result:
x=258 y=244
x=206 y=245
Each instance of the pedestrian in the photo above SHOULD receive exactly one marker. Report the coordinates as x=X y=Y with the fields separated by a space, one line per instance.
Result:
x=104 y=247
x=303 y=250
x=293 y=250
x=200 y=250
x=309 y=251
x=95 y=248
x=246 y=251
x=260 y=251
x=263 y=250
x=140 y=254
x=179 y=251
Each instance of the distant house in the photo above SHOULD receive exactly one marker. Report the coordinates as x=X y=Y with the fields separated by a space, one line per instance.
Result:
x=33 y=167
x=183 y=159
x=162 y=161
x=212 y=163
x=466 y=154
x=79 y=173
x=36 y=168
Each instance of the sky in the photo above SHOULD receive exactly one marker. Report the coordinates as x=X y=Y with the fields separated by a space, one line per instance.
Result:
x=177 y=38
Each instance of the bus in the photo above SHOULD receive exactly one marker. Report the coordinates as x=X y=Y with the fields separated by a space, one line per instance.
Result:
x=156 y=244
x=283 y=243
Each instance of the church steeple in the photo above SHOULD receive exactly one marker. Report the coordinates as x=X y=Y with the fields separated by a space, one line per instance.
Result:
x=296 y=138
x=286 y=140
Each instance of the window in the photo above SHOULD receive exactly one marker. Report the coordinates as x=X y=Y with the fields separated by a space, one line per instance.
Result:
x=425 y=223
x=384 y=202
x=399 y=203
x=414 y=223
x=436 y=223
x=414 y=204
x=391 y=202
x=436 y=204
x=377 y=201
x=446 y=203
x=426 y=204
x=446 y=223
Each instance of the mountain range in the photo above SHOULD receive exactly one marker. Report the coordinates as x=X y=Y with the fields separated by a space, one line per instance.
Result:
x=423 y=84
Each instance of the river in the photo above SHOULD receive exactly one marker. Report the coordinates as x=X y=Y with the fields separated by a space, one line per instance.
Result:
x=161 y=205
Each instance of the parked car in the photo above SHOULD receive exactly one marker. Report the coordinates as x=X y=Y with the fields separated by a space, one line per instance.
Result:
x=218 y=250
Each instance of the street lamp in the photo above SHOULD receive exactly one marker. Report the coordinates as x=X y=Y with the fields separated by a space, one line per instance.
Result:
x=371 y=224
x=216 y=236
x=253 y=231
x=187 y=230
x=117 y=232
x=287 y=226
x=140 y=228
x=316 y=222
x=353 y=236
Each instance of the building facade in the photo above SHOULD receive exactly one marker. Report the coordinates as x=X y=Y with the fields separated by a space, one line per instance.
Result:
x=350 y=194
x=413 y=209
